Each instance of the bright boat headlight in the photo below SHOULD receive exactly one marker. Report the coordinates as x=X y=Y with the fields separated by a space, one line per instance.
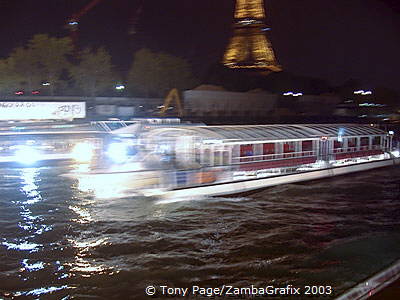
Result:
x=83 y=152
x=118 y=152
x=27 y=155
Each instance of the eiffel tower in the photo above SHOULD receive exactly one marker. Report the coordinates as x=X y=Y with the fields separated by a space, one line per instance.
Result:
x=249 y=48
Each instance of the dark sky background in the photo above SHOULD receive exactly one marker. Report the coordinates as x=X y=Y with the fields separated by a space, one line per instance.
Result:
x=333 y=40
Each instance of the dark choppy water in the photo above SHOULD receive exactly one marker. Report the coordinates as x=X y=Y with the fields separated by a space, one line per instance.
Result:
x=59 y=243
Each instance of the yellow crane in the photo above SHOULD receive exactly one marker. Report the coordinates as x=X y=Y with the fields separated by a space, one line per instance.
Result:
x=173 y=95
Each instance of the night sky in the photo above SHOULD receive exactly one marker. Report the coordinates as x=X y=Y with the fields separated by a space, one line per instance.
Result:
x=334 y=40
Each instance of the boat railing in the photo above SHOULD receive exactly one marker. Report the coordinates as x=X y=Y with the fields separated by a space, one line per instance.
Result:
x=109 y=126
x=272 y=157
x=202 y=176
x=355 y=149
x=271 y=164
x=173 y=179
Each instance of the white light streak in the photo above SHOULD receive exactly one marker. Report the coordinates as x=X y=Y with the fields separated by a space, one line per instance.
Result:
x=27 y=155
x=83 y=152
x=118 y=152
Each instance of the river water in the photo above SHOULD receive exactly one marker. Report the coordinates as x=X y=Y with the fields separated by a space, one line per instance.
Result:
x=57 y=242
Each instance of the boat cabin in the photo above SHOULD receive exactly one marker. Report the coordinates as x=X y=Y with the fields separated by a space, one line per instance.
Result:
x=255 y=147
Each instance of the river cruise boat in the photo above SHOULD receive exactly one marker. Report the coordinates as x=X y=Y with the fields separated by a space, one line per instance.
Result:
x=191 y=160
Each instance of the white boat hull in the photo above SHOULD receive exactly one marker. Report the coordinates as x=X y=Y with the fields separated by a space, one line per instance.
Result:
x=243 y=186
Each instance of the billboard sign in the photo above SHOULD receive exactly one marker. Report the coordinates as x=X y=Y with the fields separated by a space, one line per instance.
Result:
x=42 y=110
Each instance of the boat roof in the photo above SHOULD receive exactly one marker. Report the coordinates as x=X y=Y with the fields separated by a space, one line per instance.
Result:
x=271 y=132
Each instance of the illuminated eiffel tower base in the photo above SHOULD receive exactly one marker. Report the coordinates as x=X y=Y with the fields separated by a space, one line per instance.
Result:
x=249 y=47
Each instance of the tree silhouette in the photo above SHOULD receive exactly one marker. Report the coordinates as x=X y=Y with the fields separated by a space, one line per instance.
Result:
x=94 y=74
x=153 y=74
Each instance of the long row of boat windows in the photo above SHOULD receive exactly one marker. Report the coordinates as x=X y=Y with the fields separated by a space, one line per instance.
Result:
x=342 y=148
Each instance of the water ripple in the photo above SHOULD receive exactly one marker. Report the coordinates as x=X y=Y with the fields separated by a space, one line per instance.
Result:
x=60 y=243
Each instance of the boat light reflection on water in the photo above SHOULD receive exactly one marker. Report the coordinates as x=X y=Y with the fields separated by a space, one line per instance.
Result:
x=28 y=247
x=83 y=263
x=30 y=222
x=33 y=266
x=24 y=246
x=43 y=291
x=32 y=226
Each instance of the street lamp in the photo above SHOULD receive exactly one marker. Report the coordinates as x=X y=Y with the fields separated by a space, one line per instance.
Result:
x=362 y=92
x=292 y=94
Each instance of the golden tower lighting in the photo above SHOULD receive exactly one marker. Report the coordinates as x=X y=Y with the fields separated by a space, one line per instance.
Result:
x=249 y=47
